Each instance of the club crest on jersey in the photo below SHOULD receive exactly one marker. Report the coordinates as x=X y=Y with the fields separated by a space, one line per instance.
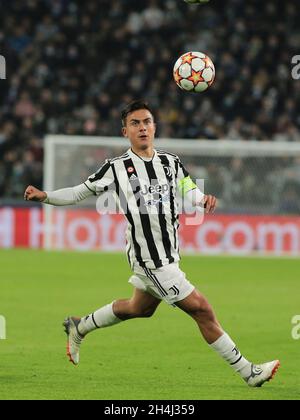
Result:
x=167 y=170
x=130 y=170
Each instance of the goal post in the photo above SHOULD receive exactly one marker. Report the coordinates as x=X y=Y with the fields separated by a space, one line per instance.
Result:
x=251 y=179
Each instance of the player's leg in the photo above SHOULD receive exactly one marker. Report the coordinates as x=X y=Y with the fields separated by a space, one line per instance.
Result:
x=140 y=305
x=197 y=306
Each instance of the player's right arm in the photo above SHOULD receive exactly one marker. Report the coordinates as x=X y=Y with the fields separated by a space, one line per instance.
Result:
x=94 y=185
x=63 y=197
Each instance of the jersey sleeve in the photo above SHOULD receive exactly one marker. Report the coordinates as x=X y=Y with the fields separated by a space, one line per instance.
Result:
x=102 y=180
x=67 y=196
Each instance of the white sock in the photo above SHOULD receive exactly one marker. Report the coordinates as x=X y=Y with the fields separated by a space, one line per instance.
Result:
x=229 y=352
x=103 y=317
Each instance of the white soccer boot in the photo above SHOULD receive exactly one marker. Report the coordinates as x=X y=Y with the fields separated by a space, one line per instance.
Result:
x=262 y=373
x=74 y=338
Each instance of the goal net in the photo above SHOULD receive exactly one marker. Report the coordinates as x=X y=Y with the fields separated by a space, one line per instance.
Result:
x=257 y=185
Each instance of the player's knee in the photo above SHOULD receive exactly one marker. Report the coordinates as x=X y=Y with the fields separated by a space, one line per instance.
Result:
x=201 y=309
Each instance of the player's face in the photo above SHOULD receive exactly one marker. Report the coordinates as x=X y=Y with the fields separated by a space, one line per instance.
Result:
x=140 y=129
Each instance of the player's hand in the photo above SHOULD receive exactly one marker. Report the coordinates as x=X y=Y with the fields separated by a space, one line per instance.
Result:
x=210 y=203
x=33 y=194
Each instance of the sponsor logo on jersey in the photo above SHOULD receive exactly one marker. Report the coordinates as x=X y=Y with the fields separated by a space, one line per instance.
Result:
x=162 y=199
x=155 y=189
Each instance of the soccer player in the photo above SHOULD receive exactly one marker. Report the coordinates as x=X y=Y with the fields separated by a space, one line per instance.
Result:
x=145 y=182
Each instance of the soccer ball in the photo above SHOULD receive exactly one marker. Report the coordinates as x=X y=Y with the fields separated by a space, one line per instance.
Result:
x=196 y=1
x=194 y=72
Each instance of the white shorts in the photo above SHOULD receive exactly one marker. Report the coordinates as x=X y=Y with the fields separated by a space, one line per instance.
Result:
x=167 y=283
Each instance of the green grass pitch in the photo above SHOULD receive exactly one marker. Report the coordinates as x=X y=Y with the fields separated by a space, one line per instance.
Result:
x=163 y=357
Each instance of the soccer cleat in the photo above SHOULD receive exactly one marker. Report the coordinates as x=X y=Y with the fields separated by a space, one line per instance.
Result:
x=262 y=373
x=74 y=338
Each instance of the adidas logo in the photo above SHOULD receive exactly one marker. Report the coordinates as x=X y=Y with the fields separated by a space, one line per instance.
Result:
x=132 y=177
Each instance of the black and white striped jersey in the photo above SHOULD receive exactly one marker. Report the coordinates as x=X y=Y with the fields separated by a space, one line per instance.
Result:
x=146 y=192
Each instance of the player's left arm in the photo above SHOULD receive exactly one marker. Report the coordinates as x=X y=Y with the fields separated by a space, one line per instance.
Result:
x=190 y=191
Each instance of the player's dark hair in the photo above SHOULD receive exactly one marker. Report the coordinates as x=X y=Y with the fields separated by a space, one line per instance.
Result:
x=134 y=106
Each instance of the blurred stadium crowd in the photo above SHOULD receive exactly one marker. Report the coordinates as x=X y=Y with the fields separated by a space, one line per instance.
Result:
x=72 y=65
